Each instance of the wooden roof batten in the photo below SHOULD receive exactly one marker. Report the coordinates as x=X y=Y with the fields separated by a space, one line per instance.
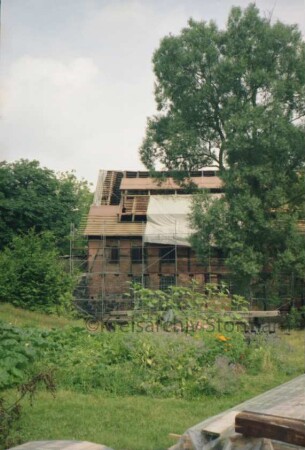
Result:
x=110 y=226
x=134 y=205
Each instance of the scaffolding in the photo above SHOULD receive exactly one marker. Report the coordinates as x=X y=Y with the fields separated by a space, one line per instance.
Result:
x=108 y=265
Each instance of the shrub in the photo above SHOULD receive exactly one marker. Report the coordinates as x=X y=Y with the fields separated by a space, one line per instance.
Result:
x=32 y=276
x=295 y=319
x=10 y=412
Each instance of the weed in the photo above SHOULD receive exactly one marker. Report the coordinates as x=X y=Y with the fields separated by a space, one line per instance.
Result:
x=10 y=413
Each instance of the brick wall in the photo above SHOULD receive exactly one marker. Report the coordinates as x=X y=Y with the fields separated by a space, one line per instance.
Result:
x=109 y=277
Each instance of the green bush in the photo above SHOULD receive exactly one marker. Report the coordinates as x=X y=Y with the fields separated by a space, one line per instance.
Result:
x=32 y=275
x=295 y=319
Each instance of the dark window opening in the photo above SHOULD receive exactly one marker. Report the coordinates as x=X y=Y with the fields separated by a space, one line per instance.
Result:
x=183 y=252
x=114 y=255
x=196 y=173
x=167 y=254
x=162 y=191
x=136 y=255
x=131 y=174
x=207 y=278
x=144 y=174
x=209 y=173
x=167 y=281
x=132 y=192
x=138 y=279
x=140 y=218
x=127 y=218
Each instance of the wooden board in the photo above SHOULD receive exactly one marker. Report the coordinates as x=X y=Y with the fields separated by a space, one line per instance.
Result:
x=254 y=314
x=220 y=425
x=253 y=424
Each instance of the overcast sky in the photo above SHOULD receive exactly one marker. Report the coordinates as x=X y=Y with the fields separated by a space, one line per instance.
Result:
x=77 y=80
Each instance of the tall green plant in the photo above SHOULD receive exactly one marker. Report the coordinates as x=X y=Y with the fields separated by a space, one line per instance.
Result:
x=190 y=306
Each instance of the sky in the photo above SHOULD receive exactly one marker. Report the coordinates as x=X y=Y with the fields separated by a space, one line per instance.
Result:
x=76 y=77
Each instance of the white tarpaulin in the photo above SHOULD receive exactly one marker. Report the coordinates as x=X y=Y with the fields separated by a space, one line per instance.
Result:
x=167 y=219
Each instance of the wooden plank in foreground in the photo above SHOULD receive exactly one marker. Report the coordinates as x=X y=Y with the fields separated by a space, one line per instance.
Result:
x=252 y=424
x=185 y=442
x=256 y=314
x=220 y=425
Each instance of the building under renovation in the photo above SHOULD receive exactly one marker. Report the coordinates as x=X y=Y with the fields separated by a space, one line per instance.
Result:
x=138 y=231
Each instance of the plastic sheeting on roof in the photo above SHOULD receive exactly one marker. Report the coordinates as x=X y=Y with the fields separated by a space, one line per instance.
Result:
x=167 y=220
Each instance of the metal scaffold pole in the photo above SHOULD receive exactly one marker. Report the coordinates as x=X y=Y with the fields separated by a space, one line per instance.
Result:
x=143 y=258
x=176 y=259
x=103 y=262
x=71 y=247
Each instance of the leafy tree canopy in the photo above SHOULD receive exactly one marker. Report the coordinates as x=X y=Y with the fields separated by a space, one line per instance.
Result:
x=35 y=197
x=211 y=83
x=235 y=99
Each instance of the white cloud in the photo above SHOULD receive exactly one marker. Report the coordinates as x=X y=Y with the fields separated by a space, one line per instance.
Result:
x=126 y=34
x=88 y=113
x=67 y=117
x=76 y=93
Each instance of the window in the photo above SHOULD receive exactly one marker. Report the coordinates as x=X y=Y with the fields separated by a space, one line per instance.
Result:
x=132 y=192
x=126 y=218
x=114 y=255
x=141 y=218
x=183 y=252
x=210 y=173
x=136 y=255
x=167 y=281
x=207 y=278
x=196 y=173
x=162 y=191
x=140 y=280
x=167 y=254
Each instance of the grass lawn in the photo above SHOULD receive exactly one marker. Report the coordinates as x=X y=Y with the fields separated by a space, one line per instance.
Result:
x=20 y=317
x=130 y=423
x=122 y=423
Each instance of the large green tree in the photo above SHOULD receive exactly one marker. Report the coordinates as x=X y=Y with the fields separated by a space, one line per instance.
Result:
x=208 y=81
x=235 y=99
x=35 y=197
